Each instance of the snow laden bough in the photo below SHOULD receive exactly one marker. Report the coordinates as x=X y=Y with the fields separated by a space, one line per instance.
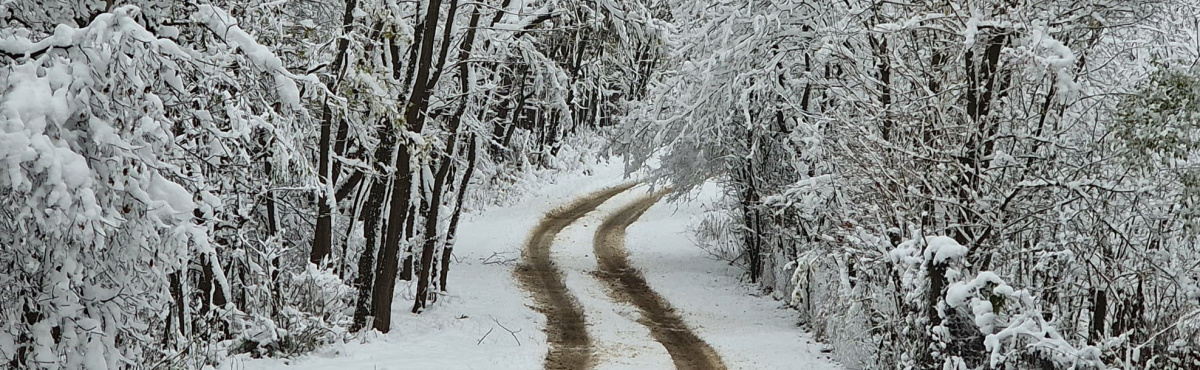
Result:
x=97 y=210
x=1009 y=320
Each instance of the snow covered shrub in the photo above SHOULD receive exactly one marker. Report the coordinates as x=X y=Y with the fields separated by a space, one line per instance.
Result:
x=1016 y=333
x=1160 y=120
x=1032 y=133
x=501 y=181
x=846 y=292
x=927 y=267
x=918 y=304
x=93 y=219
x=310 y=312
x=126 y=149
x=717 y=231
x=315 y=314
x=833 y=308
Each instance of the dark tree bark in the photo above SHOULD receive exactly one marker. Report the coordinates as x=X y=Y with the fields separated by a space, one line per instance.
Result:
x=372 y=228
x=751 y=218
x=1099 y=313
x=355 y=212
x=464 y=53
x=433 y=207
x=453 y=231
x=981 y=144
x=180 y=308
x=273 y=230
x=323 y=236
x=431 y=211
x=381 y=297
x=401 y=196
x=406 y=270
x=210 y=287
x=415 y=115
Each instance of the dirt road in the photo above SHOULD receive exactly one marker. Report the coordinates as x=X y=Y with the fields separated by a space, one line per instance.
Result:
x=626 y=284
x=570 y=346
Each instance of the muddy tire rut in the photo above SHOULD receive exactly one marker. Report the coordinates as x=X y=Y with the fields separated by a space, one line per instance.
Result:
x=566 y=330
x=627 y=285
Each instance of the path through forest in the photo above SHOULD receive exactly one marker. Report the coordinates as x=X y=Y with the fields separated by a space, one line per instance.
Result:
x=532 y=293
x=566 y=329
x=570 y=347
x=687 y=350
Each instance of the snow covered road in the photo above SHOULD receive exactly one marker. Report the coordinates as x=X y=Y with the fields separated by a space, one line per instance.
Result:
x=566 y=330
x=489 y=322
x=627 y=285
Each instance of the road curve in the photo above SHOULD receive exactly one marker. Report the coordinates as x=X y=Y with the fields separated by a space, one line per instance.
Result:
x=626 y=284
x=566 y=332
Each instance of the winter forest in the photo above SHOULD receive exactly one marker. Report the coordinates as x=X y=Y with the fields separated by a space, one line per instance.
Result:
x=601 y=184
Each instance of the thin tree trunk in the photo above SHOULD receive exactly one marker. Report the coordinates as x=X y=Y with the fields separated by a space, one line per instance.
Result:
x=355 y=212
x=406 y=270
x=213 y=292
x=386 y=269
x=433 y=207
x=180 y=313
x=453 y=231
x=372 y=228
x=415 y=115
x=399 y=214
x=273 y=231
x=464 y=70
x=322 y=242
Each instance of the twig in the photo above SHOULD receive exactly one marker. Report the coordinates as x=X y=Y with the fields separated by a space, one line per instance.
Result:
x=488 y=260
x=485 y=335
x=510 y=332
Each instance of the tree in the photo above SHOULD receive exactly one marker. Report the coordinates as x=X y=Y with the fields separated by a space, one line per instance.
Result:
x=109 y=145
x=850 y=128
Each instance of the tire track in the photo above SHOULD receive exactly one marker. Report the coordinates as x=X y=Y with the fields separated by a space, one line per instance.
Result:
x=566 y=330
x=626 y=284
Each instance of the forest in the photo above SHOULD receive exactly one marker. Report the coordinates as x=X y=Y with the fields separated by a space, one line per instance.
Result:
x=889 y=184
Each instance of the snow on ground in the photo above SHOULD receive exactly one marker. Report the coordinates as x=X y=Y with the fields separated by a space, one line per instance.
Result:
x=749 y=332
x=484 y=296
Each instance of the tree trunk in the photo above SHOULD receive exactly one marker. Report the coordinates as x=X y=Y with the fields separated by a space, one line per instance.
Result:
x=462 y=191
x=365 y=279
x=406 y=270
x=433 y=207
x=180 y=305
x=415 y=114
x=322 y=242
x=1099 y=313
x=372 y=229
x=210 y=287
x=386 y=268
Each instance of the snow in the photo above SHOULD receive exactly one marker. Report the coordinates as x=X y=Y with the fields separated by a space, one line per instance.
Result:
x=483 y=297
x=621 y=342
x=748 y=331
x=937 y=249
x=8 y=346
x=970 y=32
x=486 y=321
x=940 y=249
x=177 y=200
x=224 y=25
x=63 y=36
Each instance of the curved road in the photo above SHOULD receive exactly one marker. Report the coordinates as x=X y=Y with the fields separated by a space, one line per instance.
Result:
x=626 y=284
x=570 y=346
x=566 y=328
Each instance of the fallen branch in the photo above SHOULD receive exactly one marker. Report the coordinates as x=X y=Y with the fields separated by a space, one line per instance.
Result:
x=485 y=335
x=510 y=332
